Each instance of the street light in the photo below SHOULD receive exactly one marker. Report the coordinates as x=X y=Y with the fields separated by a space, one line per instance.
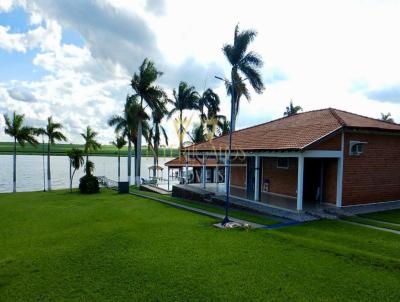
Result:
x=228 y=159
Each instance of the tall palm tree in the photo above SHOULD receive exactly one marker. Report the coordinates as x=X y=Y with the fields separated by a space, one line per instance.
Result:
x=90 y=145
x=21 y=134
x=198 y=135
x=243 y=62
x=75 y=161
x=292 y=110
x=156 y=131
x=143 y=83
x=53 y=133
x=119 y=143
x=387 y=117
x=248 y=64
x=223 y=125
x=186 y=98
x=127 y=126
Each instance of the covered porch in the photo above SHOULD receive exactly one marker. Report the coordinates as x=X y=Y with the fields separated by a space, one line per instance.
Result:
x=294 y=181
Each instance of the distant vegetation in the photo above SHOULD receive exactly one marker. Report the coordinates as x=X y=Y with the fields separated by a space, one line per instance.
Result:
x=62 y=149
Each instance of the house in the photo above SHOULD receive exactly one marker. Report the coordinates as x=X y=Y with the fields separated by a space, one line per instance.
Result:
x=324 y=157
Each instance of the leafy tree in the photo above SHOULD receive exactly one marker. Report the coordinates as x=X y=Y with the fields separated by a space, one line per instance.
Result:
x=292 y=110
x=127 y=126
x=75 y=161
x=387 y=117
x=53 y=133
x=143 y=83
x=243 y=62
x=186 y=98
x=198 y=135
x=90 y=145
x=119 y=143
x=209 y=100
x=21 y=134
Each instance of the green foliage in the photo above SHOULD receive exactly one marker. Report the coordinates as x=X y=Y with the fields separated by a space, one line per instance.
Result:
x=89 y=184
x=16 y=129
x=292 y=110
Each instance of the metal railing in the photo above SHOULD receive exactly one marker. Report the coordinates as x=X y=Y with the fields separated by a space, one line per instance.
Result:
x=107 y=183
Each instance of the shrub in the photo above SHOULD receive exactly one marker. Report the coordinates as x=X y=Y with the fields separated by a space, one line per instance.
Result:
x=89 y=184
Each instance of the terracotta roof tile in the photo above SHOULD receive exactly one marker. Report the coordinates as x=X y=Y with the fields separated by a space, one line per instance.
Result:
x=293 y=132
x=192 y=162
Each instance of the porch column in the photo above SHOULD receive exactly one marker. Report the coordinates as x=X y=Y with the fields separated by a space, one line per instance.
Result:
x=339 y=183
x=203 y=172
x=226 y=169
x=300 y=175
x=257 y=179
x=168 y=179
x=187 y=168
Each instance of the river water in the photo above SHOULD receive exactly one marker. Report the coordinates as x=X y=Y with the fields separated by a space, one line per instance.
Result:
x=30 y=171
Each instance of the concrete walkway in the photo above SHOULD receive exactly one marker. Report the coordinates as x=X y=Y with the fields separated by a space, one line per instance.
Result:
x=200 y=211
x=371 y=226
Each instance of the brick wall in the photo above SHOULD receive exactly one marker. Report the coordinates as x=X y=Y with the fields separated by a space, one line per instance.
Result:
x=238 y=173
x=374 y=176
x=330 y=180
x=281 y=181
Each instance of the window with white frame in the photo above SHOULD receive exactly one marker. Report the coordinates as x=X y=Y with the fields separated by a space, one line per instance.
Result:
x=356 y=148
x=282 y=163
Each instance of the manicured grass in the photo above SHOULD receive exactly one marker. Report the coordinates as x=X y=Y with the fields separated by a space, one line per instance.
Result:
x=108 y=247
x=61 y=149
x=389 y=216
x=239 y=214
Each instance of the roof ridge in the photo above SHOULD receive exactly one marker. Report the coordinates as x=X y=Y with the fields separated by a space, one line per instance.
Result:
x=337 y=117
x=364 y=116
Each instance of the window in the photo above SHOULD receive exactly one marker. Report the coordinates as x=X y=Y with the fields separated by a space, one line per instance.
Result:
x=356 y=148
x=283 y=163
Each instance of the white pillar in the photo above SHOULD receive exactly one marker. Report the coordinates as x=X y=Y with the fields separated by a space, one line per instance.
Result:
x=257 y=179
x=300 y=176
x=339 y=183
x=226 y=170
x=203 y=172
x=187 y=168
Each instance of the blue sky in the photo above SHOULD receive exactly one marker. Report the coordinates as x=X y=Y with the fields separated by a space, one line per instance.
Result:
x=74 y=59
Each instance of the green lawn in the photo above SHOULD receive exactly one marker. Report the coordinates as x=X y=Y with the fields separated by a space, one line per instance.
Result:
x=108 y=247
x=61 y=149
x=392 y=216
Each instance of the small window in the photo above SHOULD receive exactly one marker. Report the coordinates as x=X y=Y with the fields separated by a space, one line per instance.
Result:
x=356 y=148
x=283 y=163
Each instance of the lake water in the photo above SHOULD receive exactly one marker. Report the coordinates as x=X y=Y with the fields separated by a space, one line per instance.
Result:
x=30 y=171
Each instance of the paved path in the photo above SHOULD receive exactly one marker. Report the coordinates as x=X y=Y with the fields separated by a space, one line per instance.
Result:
x=200 y=211
x=371 y=226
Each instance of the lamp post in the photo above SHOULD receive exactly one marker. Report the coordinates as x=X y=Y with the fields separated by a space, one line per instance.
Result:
x=228 y=159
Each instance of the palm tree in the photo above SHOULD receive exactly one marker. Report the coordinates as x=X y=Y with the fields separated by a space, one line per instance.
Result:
x=248 y=64
x=75 y=161
x=387 y=117
x=292 y=110
x=119 y=143
x=243 y=62
x=154 y=137
x=143 y=83
x=209 y=100
x=53 y=134
x=21 y=134
x=186 y=98
x=127 y=126
x=223 y=125
x=90 y=145
x=198 y=135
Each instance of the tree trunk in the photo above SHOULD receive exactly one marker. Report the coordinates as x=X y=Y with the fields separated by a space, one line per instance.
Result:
x=138 y=154
x=48 y=168
x=15 y=166
x=155 y=161
x=129 y=160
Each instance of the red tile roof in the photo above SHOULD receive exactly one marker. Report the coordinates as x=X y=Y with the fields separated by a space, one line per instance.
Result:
x=192 y=162
x=294 y=132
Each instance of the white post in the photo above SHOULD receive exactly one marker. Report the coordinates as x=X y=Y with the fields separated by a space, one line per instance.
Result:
x=257 y=179
x=203 y=173
x=300 y=176
x=187 y=168
x=339 y=184
x=168 y=180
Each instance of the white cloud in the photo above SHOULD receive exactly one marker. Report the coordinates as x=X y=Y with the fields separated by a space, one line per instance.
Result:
x=21 y=94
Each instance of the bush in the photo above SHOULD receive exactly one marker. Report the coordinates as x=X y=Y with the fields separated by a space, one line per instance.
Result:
x=89 y=184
